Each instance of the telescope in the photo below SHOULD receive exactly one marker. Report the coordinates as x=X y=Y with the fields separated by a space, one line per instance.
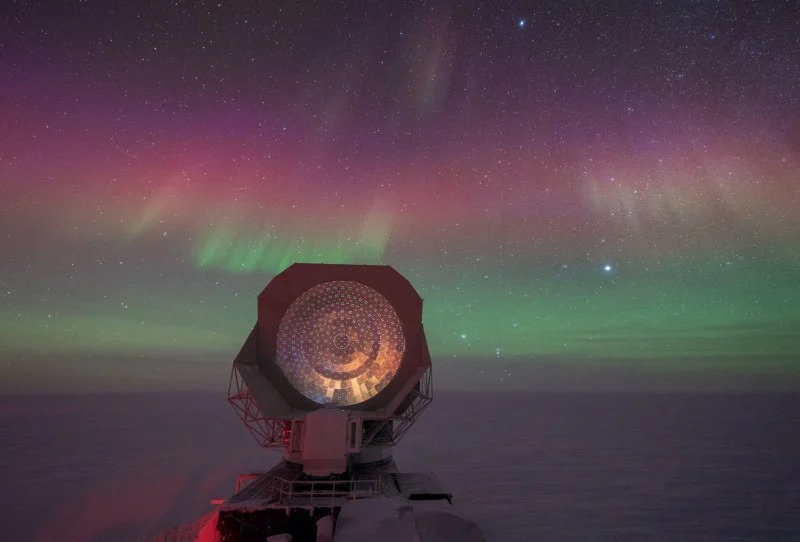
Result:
x=334 y=372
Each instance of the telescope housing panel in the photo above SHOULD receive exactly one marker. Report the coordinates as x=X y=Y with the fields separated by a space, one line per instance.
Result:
x=277 y=299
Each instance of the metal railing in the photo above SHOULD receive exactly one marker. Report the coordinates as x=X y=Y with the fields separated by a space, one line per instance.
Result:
x=297 y=493
x=320 y=493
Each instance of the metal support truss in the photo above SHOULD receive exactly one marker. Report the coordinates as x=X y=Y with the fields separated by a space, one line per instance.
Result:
x=268 y=432
x=389 y=431
x=275 y=432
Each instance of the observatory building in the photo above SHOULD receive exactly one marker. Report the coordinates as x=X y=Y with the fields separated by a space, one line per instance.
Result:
x=334 y=372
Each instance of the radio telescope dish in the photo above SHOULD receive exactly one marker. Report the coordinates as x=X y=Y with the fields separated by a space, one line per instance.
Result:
x=334 y=372
x=340 y=343
x=333 y=338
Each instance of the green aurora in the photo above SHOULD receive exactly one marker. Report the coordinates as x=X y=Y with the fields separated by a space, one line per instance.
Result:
x=672 y=317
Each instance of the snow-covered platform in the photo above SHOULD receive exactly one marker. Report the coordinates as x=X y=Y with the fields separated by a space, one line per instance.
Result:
x=286 y=486
x=372 y=502
x=389 y=520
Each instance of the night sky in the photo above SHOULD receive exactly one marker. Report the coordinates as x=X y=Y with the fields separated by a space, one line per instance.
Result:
x=566 y=184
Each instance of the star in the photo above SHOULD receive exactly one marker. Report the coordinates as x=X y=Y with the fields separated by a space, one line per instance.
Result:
x=521 y=23
x=607 y=268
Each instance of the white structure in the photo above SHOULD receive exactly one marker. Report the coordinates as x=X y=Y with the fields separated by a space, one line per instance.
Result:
x=334 y=372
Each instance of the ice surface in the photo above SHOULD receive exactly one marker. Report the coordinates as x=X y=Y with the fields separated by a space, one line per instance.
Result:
x=382 y=519
x=523 y=467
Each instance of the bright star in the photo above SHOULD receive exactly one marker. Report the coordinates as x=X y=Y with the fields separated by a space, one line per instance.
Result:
x=521 y=23
x=463 y=335
x=607 y=268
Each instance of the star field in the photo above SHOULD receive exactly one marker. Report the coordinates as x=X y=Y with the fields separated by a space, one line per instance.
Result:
x=559 y=180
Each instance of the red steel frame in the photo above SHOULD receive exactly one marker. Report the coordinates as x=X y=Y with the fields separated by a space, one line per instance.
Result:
x=275 y=432
x=268 y=432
